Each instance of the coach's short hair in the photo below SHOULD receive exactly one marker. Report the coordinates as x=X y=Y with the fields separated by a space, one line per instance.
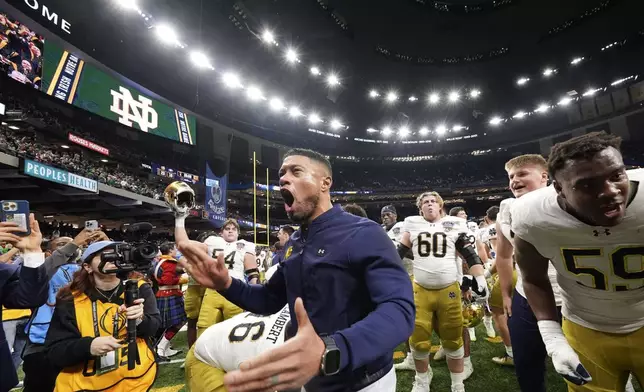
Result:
x=525 y=160
x=439 y=199
x=455 y=210
x=355 y=210
x=583 y=147
x=288 y=229
x=313 y=155
x=492 y=213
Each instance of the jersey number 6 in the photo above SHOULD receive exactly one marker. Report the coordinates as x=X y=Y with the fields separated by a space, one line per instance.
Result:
x=429 y=245
x=617 y=264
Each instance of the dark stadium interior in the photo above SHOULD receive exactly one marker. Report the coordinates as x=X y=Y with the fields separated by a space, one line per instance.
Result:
x=411 y=95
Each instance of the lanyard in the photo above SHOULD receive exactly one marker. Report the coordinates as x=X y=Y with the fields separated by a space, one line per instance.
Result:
x=115 y=322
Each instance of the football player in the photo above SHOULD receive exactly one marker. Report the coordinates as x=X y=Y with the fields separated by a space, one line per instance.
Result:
x=225 y=345
x=239 y=256
x=526 y=173
x=589 y=224
x=485 y=245
x=437 y=243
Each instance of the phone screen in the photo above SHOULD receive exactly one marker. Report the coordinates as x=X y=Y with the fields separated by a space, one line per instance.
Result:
x=19 y=219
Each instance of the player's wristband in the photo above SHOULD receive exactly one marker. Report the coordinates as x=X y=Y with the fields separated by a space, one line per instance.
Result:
x=33 y=260
x=180 y=221
x=552 y=335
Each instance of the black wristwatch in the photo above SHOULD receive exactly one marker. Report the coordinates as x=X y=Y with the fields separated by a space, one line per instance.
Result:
x=330 y=364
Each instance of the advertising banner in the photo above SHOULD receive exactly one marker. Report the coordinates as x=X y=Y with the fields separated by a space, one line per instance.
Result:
x=89 y=145
x=216 y=197
x=45 y=172
x=68 y=77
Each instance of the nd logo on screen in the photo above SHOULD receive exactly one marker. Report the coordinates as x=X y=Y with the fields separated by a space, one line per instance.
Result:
x=130 y=110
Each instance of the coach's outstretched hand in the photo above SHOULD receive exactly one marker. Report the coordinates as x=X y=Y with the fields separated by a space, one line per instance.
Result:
x=288 y=366
x=204 y=269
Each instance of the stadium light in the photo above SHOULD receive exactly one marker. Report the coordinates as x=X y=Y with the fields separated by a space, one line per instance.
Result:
x=549 y=72
x=371 y=130
x=564 y=101
x=294 y=111
x=441 y=129
x=200 y=59
x=386 y=131
x=374 y=94
x=403 y=131
x=314 y=118
x=496 y=120
x=434 y=98
x=332 y=80
x=392 y=97
x=413 y=99
x=475 y=93
x=577 y=60
x=65 y=146
x=231 y=80
x=14 y=127
x=424 y=131
x=291 y=56
x=276 y=104
x=336 y=124
x=457 y=128
x=453 y=96
x=622 y=80
x=128 y=4
x=542 y=108
x=104 y=160
x=315 y=71
x=590 y=92
x=167 y=34
x=254 y=93
x=522 y=81
x=520 y=114
x=268 y=37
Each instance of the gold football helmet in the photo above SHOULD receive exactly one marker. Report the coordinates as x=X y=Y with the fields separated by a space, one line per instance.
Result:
x=472 y=314
x=179 y=197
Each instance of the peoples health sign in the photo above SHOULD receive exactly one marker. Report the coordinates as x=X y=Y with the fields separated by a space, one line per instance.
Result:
x=38 y=170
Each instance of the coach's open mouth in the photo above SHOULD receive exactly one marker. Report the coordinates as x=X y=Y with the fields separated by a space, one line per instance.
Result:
x=287 y=196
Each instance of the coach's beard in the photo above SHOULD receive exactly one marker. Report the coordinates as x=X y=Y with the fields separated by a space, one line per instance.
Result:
x=302 y=212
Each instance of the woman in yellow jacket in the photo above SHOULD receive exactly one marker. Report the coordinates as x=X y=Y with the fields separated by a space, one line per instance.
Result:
x=88 y=329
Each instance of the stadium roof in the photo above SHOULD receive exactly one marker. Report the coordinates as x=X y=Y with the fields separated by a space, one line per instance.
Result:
x=369 y=69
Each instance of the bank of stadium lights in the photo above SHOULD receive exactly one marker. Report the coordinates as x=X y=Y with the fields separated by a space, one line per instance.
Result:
x=128 y=5
x=295 y=112
x=542 y=108
x=374 y=94
x=371 y=130
x=254 y=93
x=200 y=60
x=453 y=96
x=496 y=121
x=520 y=114
x=434 y=98
x=276 y=104
x=332 y=80
x=336 y=124
x=441 y=129
x=292 y=56
x=577 y=60
x=564 y=101
x=457 y=128
x=413 y=99
x=622 y=80
x=590 y=92
x=386 y=131
x=268 y=37
x=522 y=81
x=231 y=80
x=475 y=93
x=403 y=131
x=315 y=71
x=168 y=35
x=424 y=131
x=314 y=118
x=392 y=97
x=548 y=72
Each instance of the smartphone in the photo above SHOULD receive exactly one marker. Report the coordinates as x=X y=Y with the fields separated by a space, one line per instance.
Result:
x=91 y=225
x=16 y=211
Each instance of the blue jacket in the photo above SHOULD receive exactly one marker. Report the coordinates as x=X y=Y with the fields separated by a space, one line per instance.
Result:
x=278 y=257
x=20 y=288
x=354 y=288
x=39 y=323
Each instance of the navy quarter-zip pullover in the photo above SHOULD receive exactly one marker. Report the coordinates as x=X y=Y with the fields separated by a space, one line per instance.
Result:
x=354 y=288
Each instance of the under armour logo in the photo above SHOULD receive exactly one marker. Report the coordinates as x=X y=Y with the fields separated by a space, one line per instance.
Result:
x=131 y=110
x=320 y=252
x=597 y=233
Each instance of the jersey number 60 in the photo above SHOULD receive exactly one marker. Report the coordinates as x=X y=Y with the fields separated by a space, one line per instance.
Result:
x=437 y=247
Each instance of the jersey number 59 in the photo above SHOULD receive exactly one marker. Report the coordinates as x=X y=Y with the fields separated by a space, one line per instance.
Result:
x=617 y=261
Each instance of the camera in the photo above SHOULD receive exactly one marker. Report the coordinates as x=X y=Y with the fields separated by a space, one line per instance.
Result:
x=135 y=254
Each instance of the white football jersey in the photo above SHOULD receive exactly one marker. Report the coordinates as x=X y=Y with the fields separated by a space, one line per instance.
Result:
x=600 y=269
x=233 y=253
x=227 y=344
x=436 y=262
x=396 y=233
x=505 y=220
x=486 y=234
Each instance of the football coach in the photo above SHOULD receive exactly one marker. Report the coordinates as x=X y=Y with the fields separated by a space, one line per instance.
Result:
x=351 y=300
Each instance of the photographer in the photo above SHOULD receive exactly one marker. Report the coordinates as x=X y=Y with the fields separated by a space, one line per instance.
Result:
x=87 y=333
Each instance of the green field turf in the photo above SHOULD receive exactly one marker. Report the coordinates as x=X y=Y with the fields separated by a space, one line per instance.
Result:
x=487 y=376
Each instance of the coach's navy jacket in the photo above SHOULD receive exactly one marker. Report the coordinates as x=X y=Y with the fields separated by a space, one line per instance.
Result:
x=20 y=288
x=349 y=275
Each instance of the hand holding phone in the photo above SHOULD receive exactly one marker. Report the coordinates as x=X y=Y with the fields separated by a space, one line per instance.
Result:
x=16 y=211
x=91 y=225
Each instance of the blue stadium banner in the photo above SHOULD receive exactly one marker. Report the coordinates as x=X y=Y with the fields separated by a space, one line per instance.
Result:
x=216 y=197
x=44 y=172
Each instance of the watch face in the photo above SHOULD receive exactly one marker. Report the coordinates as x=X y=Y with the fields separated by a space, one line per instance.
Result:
x=332 y=362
